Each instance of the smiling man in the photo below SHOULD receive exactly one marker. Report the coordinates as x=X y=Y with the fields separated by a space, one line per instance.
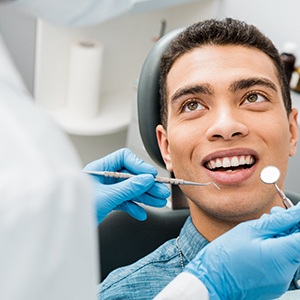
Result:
x=226 y=114
x=225 y=120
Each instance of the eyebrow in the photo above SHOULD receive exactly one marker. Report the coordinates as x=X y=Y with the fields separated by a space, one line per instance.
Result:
x=235 y=86
x=192 y=90
x=250 y=82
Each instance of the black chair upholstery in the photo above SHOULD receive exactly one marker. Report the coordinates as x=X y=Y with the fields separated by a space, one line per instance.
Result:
x=124 y=240
x=148 y=97
x=294 y=197
x=148 y=102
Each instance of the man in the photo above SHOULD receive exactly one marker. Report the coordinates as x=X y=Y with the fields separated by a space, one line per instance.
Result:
x=226 y=114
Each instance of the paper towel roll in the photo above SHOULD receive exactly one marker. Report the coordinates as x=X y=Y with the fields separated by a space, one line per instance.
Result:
x=84 y=79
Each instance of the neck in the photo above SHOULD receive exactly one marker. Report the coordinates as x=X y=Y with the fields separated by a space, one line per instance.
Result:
x=210 y=227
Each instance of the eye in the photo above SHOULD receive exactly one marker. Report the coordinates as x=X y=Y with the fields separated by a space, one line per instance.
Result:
x=192 y=105
x=254 y=97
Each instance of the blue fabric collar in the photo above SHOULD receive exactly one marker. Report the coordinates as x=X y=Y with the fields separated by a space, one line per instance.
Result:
x=190 y=240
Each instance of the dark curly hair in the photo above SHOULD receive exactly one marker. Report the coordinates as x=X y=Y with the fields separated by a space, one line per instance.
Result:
x=220 y=32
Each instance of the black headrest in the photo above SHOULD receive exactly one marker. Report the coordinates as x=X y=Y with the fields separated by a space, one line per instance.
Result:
x=148 y=96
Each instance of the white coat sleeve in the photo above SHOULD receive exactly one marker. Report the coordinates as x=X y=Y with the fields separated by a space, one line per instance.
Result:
x=184 y=287
x=47 y=227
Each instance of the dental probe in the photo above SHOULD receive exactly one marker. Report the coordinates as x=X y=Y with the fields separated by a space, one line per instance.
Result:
x=270 y=175
x=174 y=181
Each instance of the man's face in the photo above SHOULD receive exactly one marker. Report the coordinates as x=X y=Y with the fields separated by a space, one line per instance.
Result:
x=226 y=122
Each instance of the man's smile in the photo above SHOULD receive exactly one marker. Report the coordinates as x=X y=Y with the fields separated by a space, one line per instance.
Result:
x=231 y=166
x=230 y=163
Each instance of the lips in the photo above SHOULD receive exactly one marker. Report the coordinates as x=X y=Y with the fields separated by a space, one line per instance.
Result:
x=231 y=166
x=230 y=162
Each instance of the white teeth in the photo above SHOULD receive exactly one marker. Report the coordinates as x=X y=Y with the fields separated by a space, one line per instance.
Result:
x=228 y=162
x=218 y=163
x=235 y=161
x=242 y=160
x=247 y=160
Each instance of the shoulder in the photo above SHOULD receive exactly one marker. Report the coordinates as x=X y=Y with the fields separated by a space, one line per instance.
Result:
x=150 y=275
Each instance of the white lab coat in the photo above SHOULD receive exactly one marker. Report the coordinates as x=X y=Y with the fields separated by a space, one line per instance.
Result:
x=48 y=239
x=184 y=287
x=47 y=227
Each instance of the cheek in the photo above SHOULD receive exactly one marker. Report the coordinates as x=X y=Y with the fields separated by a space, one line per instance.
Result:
x=182 y=144
x=275 y=137
x=278 y=136
x=179 y=148
x=183 y=135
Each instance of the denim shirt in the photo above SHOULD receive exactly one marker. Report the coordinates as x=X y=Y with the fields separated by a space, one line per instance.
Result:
x=148 y=276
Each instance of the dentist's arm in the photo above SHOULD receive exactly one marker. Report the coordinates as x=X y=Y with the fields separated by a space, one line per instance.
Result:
x=254 y=260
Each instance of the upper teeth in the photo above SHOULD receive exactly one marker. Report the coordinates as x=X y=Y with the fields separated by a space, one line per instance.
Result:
x=227 y=162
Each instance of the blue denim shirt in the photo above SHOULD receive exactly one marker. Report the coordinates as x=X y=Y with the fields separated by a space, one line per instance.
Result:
x=148 y=276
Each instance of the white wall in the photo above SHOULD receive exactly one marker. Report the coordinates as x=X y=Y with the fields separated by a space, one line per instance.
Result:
x=278 y=19
x=18 y=31
x=127 y=41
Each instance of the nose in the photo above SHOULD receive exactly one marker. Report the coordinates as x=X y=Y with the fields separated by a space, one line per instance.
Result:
x=226 y=124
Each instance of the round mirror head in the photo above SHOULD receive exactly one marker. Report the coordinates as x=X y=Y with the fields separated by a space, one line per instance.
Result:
x=270 y=174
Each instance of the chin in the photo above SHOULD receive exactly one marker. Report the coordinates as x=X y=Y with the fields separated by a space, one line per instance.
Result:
x=230 y=211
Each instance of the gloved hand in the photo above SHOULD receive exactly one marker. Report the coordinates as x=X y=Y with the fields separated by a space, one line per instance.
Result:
x=119 y=194
x=255 y=260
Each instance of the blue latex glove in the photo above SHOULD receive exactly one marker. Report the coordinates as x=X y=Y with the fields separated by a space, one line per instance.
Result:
x=119 y=194
x=255 y=260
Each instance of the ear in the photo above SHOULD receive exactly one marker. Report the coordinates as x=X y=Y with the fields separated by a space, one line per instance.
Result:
x=293 y=121
x=163 y=143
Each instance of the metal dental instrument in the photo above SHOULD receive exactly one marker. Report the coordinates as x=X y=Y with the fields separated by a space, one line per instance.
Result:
x=270 y=175
x=174 y=181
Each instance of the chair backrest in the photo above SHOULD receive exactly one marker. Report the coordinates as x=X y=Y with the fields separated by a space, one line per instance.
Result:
x=148 y=100
x=148 y=97
x=295 y=197
x=124 y=240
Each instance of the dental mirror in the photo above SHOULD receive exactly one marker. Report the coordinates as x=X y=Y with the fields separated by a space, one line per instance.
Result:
x=270 y=175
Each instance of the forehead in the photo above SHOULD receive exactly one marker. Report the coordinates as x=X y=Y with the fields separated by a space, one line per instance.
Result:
x=217 y=65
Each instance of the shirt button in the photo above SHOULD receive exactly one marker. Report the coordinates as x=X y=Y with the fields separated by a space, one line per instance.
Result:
x=298 y=283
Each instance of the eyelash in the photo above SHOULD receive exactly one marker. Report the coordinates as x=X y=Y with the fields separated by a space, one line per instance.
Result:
x=187 y=102
x=244 y=99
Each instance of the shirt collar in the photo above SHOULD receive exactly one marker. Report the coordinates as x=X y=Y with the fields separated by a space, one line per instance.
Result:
x=190 y=240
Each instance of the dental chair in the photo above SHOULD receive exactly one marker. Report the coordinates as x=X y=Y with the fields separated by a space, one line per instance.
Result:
x=124 y=240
